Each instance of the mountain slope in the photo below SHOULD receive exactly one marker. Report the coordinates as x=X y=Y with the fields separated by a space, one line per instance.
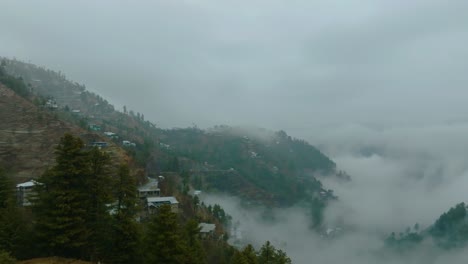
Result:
x=29 y=134
x=260 y=166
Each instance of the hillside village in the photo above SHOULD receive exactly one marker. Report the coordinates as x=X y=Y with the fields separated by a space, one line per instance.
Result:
x=148 y=194
x=40 y=106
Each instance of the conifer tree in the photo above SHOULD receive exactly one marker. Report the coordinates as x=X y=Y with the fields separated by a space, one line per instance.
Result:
x=194 y=251
x=238 y=258
x=60 y=211
x=70 y=206
x=6 y=211
x=267 y=253
x=249 y=255
x=98 y=182
x=282 y=257
x=163 y=240
x=125 y=231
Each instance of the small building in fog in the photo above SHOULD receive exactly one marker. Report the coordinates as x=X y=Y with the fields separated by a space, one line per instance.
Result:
x=150 y=189
x=153 y=203
x=25 y=191
x=207 y=230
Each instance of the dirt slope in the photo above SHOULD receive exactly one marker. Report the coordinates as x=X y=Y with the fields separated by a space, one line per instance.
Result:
x=29 y=134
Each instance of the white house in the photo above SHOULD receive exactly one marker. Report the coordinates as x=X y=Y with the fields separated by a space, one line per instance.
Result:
x=150 y=189
x=24 y=192
x=153 y=203
x=127 y=143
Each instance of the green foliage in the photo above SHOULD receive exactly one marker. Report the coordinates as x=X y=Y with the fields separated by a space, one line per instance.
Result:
x=275 y=169
x=126 y=193
x=163 y=239
x=8 y=223
x=5 y=258
x=166 y=241
x=247 y=256
x=15 y=84
x=125 y=244
x=6 y=190
x=317 y=208
x=125 y=233
x=405 y=242
x=14 y=229
x=267 y=254
x=70 y=206
x=194 y=250
x=218 y=212
x=451 y=229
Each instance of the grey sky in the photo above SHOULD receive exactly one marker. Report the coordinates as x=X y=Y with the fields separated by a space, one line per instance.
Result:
x=279 y=64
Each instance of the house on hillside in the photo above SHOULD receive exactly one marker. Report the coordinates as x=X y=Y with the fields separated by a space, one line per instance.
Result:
x=207 y=230
x=111 y=135
x=94 y=127
x=150 y=189
x=24 y=192
x=153 y=203
x=99 y=144
x=127 y=143
x=51 y=104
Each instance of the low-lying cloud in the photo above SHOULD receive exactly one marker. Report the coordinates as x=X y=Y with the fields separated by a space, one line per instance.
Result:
x=400 y=176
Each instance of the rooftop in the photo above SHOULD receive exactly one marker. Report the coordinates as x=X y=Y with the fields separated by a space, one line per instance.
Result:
x=168 y=199
x=152 y=184
x=27 y=184
x=206 y=228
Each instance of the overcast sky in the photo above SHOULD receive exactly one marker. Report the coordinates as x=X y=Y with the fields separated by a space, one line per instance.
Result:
x=286 y=64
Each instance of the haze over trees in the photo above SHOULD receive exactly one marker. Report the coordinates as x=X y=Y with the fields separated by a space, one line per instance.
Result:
x=72 y=218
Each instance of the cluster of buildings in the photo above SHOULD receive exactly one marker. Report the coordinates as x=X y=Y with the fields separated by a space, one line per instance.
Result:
x=149 y=195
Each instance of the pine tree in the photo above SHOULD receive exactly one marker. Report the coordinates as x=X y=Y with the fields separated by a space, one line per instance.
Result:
x=282 y=257
x=126 y=193
x=163 y=240
x=7 y=214
x=70 y=206
x=249 y=255
x=125 y=230
x=60 y=211
x=15 y=229
x=194 y=250
x=98 y=182
x=267 y=253
x=6 y=190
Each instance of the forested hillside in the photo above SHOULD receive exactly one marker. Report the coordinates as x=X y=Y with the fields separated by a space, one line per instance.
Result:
x=30 y=131
x=260 y=166
x=449 y=232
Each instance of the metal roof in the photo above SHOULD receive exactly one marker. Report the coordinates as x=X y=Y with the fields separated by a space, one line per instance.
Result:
x=170 y=199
